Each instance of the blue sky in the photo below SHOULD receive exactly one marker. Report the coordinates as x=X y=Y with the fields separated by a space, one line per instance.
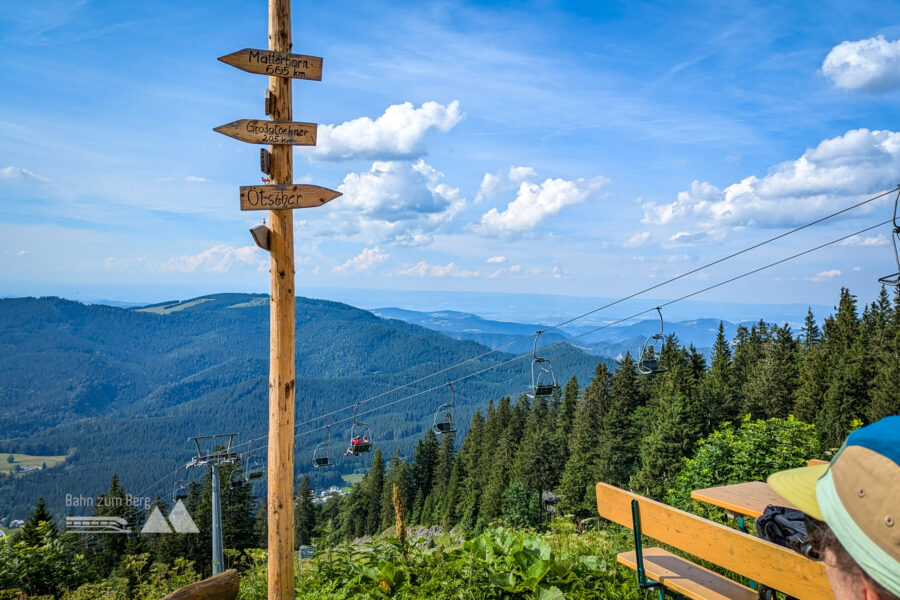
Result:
x=570 y=148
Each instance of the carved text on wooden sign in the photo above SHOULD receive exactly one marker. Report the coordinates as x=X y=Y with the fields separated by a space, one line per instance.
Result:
x=284 y=197
x=278 y=64
x=270 y=132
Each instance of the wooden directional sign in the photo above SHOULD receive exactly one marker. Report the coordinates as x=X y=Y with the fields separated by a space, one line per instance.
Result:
x=280 y=64
x=270 y=132
x=280 y=197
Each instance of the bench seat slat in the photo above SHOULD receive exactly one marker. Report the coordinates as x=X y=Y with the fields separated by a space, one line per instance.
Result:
x=686 y=578
x=756 y=559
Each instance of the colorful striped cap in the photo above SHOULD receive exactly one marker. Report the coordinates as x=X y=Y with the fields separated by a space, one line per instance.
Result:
x=858 y=496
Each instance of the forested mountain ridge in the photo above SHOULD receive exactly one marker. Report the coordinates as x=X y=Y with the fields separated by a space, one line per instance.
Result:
x=120 y=390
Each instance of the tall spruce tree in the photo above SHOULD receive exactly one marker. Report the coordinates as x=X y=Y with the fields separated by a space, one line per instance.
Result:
x=504 y=451
x=567 y=409
x=425 y=459
x=442 y=472
x=536 y=464
x=676 y=424
x=239 y=507
x=811 y=334
x=812 y=372
x=718 y=394
x=582 y=468
x=885 y=392
x=374 y=488
x=29 y=534
x=398 y=474
x=769 y=392
x=112 y=547
x=472 y=465
x=304 y=514
x=619 y=432
x=849 y=374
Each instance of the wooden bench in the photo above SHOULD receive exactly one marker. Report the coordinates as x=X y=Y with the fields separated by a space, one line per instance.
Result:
x=756 y=559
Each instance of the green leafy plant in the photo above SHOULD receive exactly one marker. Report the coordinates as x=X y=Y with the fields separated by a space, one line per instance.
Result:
x=749 y=452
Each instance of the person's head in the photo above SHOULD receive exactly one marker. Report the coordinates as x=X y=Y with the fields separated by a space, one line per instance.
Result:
x=854 y=505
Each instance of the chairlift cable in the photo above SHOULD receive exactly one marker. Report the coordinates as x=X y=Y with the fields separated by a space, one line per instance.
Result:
x=595 y=310
x=578 y=317
x=596 y=329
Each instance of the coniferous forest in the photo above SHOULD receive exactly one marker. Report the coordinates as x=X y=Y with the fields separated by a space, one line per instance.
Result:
x=522 y=475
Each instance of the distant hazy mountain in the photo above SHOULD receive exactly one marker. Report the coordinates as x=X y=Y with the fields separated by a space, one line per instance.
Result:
x=120 y=390
x=555 y=308
x=612 y=342
x=466 y=326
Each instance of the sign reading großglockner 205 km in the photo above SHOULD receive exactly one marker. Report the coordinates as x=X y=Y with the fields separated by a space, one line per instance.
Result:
x=281 y=133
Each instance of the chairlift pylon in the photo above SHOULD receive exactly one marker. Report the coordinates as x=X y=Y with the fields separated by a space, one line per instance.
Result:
x=360 y=436
x=443 y=418
x=648 y=361
x=894 y=278
x=541 y=370
x=321 y=457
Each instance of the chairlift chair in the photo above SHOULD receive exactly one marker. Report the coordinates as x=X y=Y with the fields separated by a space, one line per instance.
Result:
x=321 y=458
x=648 y=361
x=93 y=543
x=362 y=433
x=179 y=492
x=254 y=469
x=237 y=479
x=894 y=279
x=543 y=379
x=443 y=418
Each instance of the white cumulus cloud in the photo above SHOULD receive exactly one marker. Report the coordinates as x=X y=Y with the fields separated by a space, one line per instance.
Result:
x=830 y=176
x=12 y=172
x=400 y=133
x=636 y=240
x=866 y=241
x=871 y=65
x=424 y=269
x=825 y=275
x=490 y=183
x=394 y=202
x=493 y=184
x=364 y=261
x=220 y=258
x=196 y=179
x=535 y=202
x=496 y=260
x=519 y=174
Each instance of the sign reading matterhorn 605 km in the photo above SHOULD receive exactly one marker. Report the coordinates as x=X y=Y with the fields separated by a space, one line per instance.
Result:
x=281 y=64
x=280 y=197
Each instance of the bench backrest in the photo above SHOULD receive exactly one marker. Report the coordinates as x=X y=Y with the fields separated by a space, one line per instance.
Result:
x=757 y=559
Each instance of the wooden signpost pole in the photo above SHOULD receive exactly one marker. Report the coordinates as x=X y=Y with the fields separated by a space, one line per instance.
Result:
x=280 y=199
x=281 y=349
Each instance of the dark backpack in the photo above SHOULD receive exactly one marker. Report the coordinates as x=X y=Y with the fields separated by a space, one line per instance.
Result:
x=785 y=527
